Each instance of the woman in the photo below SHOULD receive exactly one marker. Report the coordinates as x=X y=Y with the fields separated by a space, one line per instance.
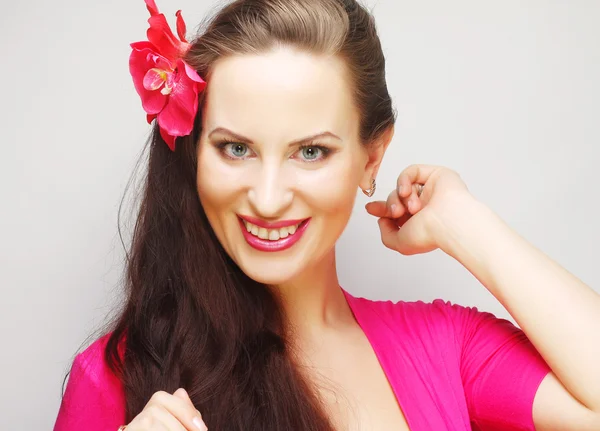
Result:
x=264 y=127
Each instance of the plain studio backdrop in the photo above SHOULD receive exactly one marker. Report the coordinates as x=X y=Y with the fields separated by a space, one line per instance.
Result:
x=506 y=93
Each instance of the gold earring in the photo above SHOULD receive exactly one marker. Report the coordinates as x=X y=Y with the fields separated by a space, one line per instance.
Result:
x=371 y=191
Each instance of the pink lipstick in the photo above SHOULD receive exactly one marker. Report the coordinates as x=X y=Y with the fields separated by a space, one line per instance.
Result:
x=273 y=245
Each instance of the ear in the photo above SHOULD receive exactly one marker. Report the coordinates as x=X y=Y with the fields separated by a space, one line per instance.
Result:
x=375 y=152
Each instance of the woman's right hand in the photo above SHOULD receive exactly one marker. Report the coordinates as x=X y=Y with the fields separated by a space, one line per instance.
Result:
x=166 y=412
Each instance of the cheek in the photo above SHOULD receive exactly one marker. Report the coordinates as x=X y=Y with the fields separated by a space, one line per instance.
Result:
x=216 y=182
x=333 y=190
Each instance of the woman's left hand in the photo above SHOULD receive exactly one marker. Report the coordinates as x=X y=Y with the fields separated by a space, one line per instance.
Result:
x=412 y=224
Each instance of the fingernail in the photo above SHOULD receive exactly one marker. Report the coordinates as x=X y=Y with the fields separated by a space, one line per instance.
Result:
x=198 y=423
x=393 y=209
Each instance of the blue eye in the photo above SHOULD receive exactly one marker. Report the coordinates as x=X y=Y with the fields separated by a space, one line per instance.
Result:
x=312 y=153
x=239 y=150
x=234 y=150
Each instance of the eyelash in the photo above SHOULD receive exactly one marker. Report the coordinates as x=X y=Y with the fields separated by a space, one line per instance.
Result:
x=325 y=151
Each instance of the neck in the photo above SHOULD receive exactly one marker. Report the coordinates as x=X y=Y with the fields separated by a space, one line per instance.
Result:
x=313 y=302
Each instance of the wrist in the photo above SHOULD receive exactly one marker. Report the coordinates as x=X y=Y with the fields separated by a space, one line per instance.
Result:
x=461 y=220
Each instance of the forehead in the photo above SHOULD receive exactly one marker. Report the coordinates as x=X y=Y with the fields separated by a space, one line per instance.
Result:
x=281 y=95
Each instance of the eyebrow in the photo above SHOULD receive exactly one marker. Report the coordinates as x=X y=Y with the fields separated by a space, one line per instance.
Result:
x=307 y=139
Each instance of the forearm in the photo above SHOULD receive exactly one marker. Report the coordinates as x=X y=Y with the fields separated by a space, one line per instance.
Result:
x=558 y=312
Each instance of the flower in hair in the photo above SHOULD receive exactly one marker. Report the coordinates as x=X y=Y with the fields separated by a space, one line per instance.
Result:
x=167 y=85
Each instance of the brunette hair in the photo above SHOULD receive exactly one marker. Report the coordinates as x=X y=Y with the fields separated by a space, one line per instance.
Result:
x=192 y=318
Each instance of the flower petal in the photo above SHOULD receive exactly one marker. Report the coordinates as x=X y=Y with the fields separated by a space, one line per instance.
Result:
x=178 y=115
x=151 y=5
x=172 y=79
x=161 y=36
x=169 y=139
x=150 y=118
x=192 y=74
x=154 y=79
x=181 y=27
x=143 y=45
x=140 y=61
x=163 y=63
x=154 y=102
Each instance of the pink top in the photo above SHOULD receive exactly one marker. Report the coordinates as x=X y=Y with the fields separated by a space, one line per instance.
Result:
x=451 y=368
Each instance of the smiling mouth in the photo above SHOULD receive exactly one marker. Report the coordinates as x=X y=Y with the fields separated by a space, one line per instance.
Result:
x=278 y=239
x=271 y=234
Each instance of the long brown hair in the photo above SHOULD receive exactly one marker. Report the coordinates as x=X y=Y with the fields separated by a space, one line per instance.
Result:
x=192 y=318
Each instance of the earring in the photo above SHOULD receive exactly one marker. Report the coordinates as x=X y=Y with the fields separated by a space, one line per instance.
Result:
x=371 y=191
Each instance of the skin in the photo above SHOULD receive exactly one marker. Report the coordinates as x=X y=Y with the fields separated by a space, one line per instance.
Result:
x=292 y=95
x=278 y=97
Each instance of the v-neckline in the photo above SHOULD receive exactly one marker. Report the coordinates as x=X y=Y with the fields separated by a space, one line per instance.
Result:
x=395 y=384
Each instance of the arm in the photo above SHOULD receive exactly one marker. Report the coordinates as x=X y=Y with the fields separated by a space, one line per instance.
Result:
x=557 y=312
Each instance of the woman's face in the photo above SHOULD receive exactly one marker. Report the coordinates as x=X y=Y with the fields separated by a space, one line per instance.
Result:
x=279 y=160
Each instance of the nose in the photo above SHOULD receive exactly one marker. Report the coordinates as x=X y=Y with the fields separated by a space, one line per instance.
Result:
x=270 y=196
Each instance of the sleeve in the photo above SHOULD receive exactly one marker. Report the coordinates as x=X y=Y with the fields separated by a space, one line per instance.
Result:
x=92 y=400
x=501 y=370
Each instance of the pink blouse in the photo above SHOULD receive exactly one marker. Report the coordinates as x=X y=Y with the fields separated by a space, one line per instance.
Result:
x=451 y=368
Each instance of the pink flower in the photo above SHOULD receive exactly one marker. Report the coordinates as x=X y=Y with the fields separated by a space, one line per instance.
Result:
x=167 y=85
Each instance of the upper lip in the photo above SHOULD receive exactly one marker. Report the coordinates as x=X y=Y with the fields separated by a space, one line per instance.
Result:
x=271 y=225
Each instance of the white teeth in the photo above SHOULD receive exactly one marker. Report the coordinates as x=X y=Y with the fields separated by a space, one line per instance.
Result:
x=262 y=233
x=270 y=234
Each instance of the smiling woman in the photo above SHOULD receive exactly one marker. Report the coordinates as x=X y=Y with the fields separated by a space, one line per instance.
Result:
x=295 y=154
x=265 y=127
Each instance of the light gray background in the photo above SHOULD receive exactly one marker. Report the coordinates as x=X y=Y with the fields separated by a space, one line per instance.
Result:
x=505 y=92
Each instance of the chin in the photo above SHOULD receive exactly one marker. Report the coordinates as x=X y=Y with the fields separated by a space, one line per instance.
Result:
x=271 y=274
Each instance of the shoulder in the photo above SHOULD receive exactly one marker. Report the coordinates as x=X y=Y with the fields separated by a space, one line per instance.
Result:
x=92 y=366
x=92 y=357
x=414 y=313
x=439 y=321
x=93 y=393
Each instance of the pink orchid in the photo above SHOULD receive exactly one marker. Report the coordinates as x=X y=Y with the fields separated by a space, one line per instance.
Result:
x=167 y=85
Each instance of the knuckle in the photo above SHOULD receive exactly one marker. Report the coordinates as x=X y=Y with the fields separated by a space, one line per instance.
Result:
x=388 y=244
x=159 y=396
